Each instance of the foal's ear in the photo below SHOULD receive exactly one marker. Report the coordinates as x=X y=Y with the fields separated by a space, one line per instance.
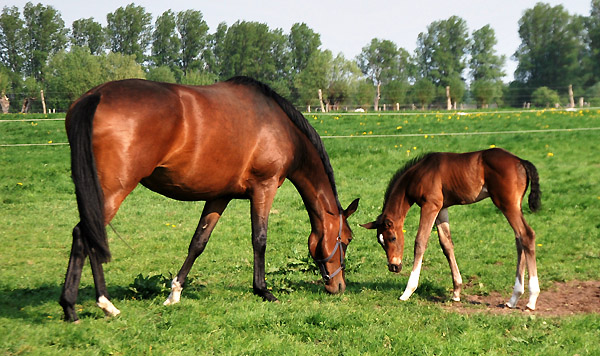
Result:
x=351 y=208
x=370 y=226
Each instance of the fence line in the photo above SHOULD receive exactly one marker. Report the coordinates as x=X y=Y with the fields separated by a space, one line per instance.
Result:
x=377 y=136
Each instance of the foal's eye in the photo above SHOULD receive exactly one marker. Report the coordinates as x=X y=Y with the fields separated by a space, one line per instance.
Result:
x=393 y=239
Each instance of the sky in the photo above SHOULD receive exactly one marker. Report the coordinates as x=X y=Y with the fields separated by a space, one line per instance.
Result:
x=345 y=26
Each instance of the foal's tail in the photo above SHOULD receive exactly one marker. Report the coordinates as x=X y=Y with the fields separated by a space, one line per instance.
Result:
x=90 y=199
x=535 y=195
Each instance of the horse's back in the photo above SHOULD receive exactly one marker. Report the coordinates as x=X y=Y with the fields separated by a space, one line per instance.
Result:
x=187 y=142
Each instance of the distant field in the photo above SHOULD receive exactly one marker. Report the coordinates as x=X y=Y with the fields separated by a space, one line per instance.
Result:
x=220 y=315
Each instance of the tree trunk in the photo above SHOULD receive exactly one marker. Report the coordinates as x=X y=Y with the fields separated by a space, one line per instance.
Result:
x=448 y=99
x=43 y=101
x=5 y=103
x=26 y=106
x=321 y=100
x=377 y=97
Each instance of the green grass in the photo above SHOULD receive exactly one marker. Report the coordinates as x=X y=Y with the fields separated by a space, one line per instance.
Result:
x=219 y=314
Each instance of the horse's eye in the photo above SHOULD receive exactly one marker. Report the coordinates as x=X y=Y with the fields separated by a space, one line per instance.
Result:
x=393 y=239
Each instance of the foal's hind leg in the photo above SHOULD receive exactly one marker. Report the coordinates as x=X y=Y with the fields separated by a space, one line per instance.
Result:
x=210 y=215
x=525 y=241
x=443 y=229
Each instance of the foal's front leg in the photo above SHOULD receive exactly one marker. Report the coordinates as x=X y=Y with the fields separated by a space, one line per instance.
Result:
x=428 y=214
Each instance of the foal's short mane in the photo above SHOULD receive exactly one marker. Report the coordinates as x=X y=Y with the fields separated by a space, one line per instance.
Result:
x=299 y=120
x=400 y=172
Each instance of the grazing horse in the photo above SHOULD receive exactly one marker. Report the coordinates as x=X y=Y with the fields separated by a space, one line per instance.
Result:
x=232 y=140
x=439 y=180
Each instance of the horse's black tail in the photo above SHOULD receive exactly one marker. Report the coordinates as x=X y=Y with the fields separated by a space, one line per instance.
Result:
x=535 y=195
x=90 y=199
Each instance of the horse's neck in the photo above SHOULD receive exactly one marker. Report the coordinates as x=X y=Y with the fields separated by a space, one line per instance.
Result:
x=316 y=192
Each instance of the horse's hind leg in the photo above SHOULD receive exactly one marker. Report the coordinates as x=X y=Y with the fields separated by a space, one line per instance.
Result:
x=68 y=296
x=101 y=292
x=210 y=215
x=443 y=229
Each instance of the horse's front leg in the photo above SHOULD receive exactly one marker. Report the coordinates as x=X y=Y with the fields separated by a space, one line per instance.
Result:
x=443 y=228
x=210 y=216
x=428 y=215
x=260 y=207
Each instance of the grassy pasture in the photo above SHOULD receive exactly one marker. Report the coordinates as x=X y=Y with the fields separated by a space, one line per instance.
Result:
x=219 y=314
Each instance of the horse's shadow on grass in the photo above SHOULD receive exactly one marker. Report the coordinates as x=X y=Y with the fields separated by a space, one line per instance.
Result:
x=22 y=303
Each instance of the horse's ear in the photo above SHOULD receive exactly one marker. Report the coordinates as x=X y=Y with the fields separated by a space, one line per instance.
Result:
x=369 y=226
x=351 y=208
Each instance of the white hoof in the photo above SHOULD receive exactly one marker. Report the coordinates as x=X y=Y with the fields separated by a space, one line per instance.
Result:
x=108 y=307
x=175 y=294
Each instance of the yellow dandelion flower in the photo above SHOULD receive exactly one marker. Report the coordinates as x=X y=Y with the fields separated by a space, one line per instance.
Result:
x=414 y=147
x=398 y=127
x=22 y=184
x=540 y=245
x=50 y=141
x=492 y=146
x=550 y=154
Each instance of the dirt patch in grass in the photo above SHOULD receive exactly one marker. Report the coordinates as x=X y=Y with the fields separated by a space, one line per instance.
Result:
x=569 y=298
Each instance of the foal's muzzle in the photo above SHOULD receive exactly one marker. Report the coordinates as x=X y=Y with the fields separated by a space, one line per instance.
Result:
x=395 y=268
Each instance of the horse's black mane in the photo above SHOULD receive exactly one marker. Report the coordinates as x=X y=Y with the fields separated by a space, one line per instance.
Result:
x=400 y=172
x=299 y=120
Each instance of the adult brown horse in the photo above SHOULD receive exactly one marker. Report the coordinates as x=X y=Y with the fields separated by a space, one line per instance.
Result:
x=232 y=140
x=437 y=181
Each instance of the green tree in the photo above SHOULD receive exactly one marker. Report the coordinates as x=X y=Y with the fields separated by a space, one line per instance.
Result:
x=88 y=33
x=441 y=51
x=303 y=42
x=129 y=31
x=70 y=74
x=313 y=77
x=214 y=53
x=117 y=66
x=344 y=80
x=544 y=96
x=165 y=41
x=424 y=92
x=161 y=74
x=486 y=91
x=550 y=49
x=251 y=49
x=485 y=64
x=12 y=40
x=45 y=35
x=193 y=32
x=379 y=62
x=197 y=77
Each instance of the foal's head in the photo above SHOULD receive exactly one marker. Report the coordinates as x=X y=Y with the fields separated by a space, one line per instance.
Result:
x=391 y=237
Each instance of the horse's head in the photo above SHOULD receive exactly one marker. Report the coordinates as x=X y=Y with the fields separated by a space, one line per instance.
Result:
x=329 y=252
x=391 y=237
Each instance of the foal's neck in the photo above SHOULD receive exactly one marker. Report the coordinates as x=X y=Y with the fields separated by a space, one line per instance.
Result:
x=397 y=204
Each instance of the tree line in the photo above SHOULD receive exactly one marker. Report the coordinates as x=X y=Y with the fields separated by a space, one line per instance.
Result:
x=37 y=52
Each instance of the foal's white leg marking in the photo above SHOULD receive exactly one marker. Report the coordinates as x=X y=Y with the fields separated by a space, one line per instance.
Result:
x=108 y=307
x=175 y=294
x=534 y=291
x=413 y=282
x=518 y=290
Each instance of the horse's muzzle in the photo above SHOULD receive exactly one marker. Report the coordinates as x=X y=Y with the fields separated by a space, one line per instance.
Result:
x=395 y=268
